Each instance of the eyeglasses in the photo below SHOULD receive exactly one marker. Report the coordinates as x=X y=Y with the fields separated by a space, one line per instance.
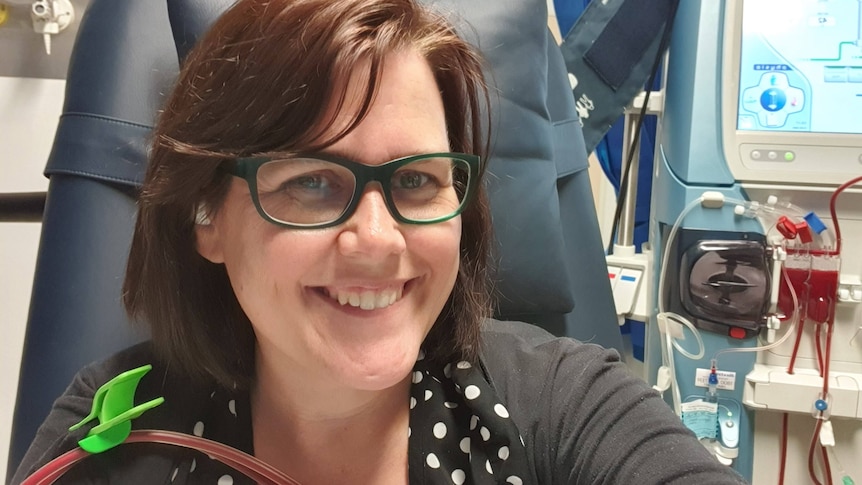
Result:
x=320 y=190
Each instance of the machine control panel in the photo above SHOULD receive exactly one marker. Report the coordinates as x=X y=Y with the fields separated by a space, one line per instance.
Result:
x=792 y=91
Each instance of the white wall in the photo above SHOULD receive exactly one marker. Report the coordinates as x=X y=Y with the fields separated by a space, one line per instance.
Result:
x=29 y=110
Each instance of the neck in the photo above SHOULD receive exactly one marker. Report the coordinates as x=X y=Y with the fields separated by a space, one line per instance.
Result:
x=296 y=415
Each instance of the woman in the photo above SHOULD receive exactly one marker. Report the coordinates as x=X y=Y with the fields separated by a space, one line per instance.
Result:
x=310 y=258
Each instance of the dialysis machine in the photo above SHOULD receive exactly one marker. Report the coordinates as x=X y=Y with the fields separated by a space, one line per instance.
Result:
x=754 y=335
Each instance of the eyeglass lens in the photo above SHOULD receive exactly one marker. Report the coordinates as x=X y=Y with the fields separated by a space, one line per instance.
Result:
x=313 y=191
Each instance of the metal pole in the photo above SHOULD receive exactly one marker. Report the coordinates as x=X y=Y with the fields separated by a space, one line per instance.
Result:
x=627 y=216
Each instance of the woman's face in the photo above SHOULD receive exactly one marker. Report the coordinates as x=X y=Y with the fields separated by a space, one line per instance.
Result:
x=289 y=281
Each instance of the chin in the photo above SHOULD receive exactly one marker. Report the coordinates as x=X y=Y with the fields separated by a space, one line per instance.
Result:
x=376 y=372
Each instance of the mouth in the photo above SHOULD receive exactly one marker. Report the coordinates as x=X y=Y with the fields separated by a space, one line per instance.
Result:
x=367 y=298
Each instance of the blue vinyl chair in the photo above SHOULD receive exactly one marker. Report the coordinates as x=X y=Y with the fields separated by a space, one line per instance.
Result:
x=551 y=261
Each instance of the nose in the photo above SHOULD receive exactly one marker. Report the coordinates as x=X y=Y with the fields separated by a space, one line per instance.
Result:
x=371 y=231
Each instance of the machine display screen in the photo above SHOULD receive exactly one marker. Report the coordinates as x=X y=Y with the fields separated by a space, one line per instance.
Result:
x=801 y=66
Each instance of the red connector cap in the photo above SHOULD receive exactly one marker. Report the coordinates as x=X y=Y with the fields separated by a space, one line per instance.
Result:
x=804 y=232
x=786 y=227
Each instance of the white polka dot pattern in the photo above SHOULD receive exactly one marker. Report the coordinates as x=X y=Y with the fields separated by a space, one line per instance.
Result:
x=225 y=418
x=458 y=477
x=459 y=431
x=501 y=410
x=462 y=433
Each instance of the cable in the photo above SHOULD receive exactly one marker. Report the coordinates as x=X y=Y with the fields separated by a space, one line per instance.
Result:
x=796 y=345
x=667 y=348
x=834 y=213
x=811 y=449
x=818 y=347
x=845 y=478
x=250 y=466
x=54 y=469
x=826 y=466
x=783 y=452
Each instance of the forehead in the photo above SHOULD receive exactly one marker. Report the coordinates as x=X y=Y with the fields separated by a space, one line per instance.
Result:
x=406 y=115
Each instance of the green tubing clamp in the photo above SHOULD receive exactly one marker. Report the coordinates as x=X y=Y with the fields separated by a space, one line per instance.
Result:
x=113 y=406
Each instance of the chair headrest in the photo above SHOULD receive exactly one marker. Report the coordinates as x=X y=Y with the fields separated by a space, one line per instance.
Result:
x=191 y=18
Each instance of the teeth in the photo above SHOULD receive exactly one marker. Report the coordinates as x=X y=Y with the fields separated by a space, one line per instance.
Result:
x=368 y=299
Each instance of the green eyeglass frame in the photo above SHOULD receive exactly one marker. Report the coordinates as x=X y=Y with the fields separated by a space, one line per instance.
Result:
x=247 y=168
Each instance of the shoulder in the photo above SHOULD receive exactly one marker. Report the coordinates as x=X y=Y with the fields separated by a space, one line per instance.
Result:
x=179 y=391
x=541 y=377
x=54 y=438
x=96 y=374
x=183 y=395
x=548 y=384
x=520 y=349
x=583 y=415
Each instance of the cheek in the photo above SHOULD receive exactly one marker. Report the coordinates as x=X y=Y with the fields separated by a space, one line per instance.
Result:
x=456 y=242
x=251 y=257
x=445 y=250
x=261 y=276
x=267 y=263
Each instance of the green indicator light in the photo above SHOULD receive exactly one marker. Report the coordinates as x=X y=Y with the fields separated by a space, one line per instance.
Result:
x=789 y=156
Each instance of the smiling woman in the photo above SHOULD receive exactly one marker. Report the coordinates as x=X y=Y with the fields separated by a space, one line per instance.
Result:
x=287 y=281
x=311 y=255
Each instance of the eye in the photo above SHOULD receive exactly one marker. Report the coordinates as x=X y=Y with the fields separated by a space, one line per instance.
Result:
x=309 y=182
x=411 y=180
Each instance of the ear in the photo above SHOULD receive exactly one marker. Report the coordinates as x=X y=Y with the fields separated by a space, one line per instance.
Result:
x=207 y=237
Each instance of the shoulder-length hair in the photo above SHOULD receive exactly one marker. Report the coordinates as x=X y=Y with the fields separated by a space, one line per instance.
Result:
x=260 y=80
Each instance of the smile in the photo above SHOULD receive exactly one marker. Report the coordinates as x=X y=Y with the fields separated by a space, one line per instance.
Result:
x=366 y=299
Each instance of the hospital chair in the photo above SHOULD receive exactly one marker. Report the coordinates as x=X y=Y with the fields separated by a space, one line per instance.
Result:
x=550 y=256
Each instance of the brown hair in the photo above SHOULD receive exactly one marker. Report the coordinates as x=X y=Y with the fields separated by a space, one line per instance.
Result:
x=260 y=81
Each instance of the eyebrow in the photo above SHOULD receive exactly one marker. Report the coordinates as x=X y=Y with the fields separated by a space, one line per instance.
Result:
x=353 y=158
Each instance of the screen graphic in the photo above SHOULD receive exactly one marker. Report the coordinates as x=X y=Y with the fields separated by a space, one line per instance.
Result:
x=801 y=66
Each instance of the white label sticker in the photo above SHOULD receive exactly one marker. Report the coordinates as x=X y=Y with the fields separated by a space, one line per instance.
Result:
x=726 y=379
